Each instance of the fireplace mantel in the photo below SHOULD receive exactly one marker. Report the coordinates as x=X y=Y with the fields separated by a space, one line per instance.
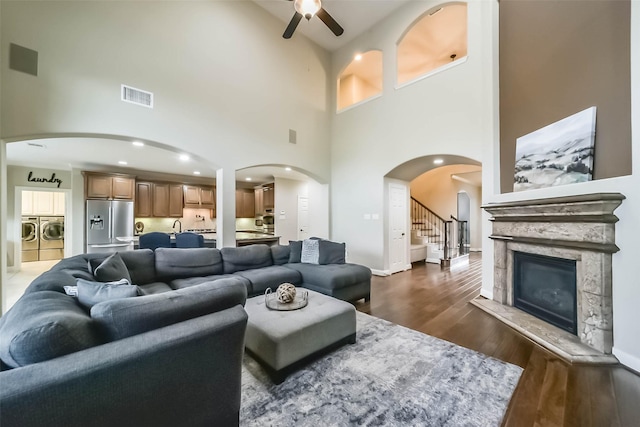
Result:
x=580 y=228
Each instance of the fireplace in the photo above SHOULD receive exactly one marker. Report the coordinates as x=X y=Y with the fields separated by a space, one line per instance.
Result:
x=553 y=272
x=545 y=287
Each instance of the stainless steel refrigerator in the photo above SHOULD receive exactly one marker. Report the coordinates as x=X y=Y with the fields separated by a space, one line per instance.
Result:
x=109 y=226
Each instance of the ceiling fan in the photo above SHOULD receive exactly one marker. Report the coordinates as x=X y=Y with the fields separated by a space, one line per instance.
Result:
x=309 y=8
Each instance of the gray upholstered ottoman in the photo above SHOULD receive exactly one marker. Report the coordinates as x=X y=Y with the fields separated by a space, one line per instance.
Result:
x=284 y=340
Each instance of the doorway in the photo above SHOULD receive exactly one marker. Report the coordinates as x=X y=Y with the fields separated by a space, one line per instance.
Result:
x=398 y=214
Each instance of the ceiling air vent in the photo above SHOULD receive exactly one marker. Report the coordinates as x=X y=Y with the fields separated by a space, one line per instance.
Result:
x=137 y=96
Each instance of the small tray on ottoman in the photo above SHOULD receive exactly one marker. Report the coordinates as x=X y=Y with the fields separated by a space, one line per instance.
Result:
x=271 y=301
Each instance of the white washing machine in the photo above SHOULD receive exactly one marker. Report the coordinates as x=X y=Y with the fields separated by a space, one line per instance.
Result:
x=30 y=238
x=51 y=237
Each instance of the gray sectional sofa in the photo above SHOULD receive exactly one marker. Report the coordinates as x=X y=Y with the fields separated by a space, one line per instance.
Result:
x=163 y=348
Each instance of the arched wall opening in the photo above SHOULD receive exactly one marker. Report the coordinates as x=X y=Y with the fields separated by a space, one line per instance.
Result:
x=289 y=202
x=52 y=164
x=437 y=180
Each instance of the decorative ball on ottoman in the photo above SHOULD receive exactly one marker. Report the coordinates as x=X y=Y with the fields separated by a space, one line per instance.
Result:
x=286 y=293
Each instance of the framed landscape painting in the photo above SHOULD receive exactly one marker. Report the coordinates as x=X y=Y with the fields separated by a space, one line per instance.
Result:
x=560 y=153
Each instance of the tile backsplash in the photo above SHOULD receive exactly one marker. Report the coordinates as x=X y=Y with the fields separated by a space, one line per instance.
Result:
x=191 y=219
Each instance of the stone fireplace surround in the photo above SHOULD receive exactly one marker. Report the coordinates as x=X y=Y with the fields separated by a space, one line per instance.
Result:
x=580 y=228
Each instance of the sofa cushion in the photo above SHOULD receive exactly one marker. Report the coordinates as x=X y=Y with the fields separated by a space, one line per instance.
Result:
x=154 y=288
x=270 y=277
x=191 y=281
x=141 y=265
x=112 y=269
x=331 y=252
x=91 y=293
x=174 y=263
x=44 y=325
x=122 y=318
x=280 y=254
x=310 y=251
x=246 y=258
x=295 y=250
x=331 y=276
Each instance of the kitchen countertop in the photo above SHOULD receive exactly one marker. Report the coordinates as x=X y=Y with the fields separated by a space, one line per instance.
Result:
x=243 y=237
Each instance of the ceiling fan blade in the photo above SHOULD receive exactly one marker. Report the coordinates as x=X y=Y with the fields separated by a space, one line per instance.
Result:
x=292 y=25
x=330 y=22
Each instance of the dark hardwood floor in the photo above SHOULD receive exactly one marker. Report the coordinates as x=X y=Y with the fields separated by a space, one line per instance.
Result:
x=551 y=392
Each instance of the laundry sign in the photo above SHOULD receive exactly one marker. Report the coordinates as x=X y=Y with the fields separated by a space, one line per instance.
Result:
x=53 y=180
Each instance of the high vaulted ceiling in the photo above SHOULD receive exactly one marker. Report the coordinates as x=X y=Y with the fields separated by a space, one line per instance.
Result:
x=355 y=16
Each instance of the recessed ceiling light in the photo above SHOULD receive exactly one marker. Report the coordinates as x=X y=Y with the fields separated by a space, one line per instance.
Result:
x=358 y=56
x=184 y=157
x=287 y=169
x=438 y=161
x=196 y=172
x=248 y=178
x=138 y=143
x=122 y=162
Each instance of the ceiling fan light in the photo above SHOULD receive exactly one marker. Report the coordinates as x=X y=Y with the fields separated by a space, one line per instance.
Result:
x=307 y=8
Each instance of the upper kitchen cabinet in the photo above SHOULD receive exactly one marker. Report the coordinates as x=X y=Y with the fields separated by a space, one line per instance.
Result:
x=199 y=197
x=259 y=200
x=162 y=200
x=269 y=196
x=245 y=203
x=167 y=200
x=143 y=207
x=109 y=186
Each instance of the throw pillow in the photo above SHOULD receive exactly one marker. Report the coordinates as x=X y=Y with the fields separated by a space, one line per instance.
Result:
x=310 y=251
x=295 y=251
x=91 y=293
x=331 y=252
x=112 y=269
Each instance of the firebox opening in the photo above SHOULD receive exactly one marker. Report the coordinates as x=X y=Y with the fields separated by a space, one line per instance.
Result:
x=545 y=287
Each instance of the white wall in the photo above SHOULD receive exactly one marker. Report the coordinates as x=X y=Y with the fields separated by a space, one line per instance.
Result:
x=286 y=198
x=224 y=80
x=442 y=114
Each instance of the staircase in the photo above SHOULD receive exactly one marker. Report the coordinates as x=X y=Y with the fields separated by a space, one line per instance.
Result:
x=436 y=240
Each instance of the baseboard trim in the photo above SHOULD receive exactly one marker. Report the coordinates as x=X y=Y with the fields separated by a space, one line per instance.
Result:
x=631 y=362
x=488 y=294
x=380 y=272
x=475 y=250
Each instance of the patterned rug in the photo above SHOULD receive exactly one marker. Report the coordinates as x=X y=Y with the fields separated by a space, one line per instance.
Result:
x=392 y=376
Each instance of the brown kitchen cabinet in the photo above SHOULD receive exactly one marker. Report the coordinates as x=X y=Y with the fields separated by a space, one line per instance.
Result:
x=199 y=197
x=269 y=196
x=158 y=199
x=143 y=207
x=109 y=186
x=259 y=201
x=245 y=203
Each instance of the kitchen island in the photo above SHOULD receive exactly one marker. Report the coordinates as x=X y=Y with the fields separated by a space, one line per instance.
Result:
x=243 y=238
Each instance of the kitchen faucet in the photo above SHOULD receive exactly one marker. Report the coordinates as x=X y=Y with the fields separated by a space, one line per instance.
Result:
x=179 y=224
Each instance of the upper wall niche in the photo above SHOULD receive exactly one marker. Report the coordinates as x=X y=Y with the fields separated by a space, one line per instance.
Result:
x=437 y=38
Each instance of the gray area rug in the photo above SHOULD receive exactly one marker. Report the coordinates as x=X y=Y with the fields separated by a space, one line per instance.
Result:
x=392 y=376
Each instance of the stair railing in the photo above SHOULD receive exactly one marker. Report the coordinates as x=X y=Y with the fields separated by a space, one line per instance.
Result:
x=461 y=236
x=429 y=224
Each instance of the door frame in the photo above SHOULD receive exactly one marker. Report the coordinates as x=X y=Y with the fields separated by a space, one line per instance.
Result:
x=68 y=220
x=406 y=264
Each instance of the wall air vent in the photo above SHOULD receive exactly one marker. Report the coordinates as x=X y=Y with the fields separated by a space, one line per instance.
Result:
x=137 y=96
